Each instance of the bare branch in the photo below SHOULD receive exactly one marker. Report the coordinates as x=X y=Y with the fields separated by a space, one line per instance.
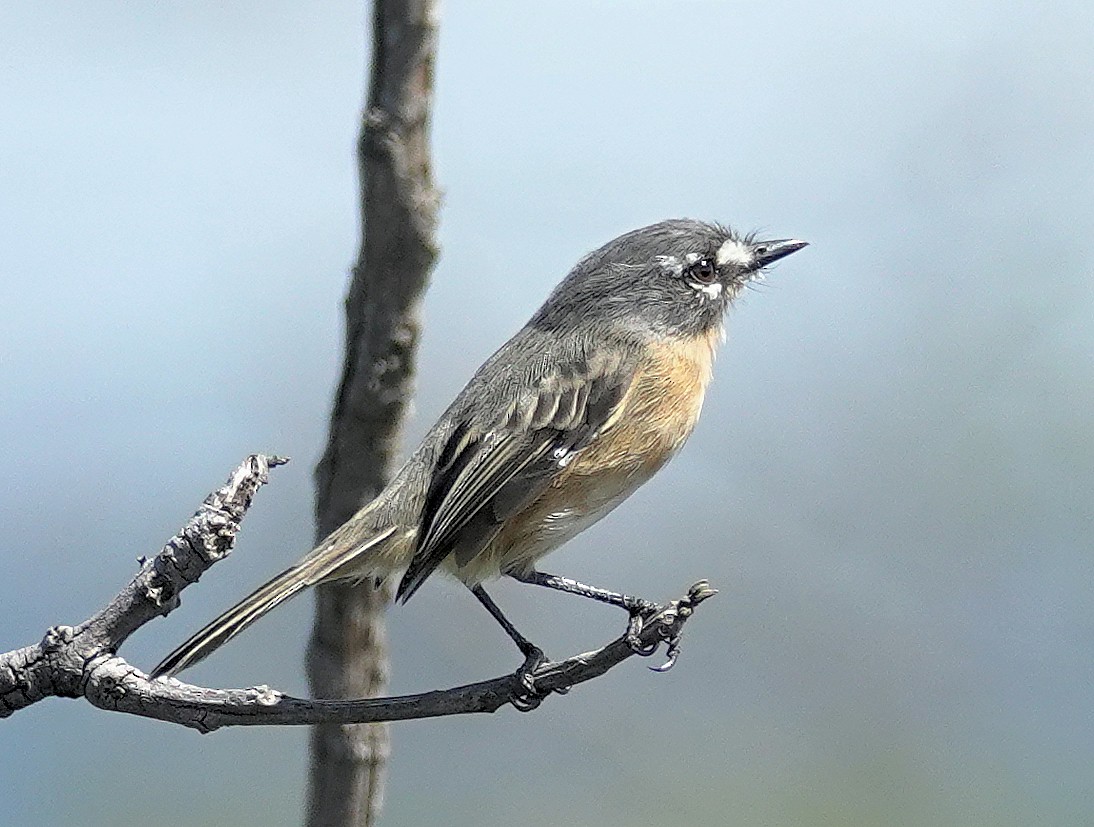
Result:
x=81 y=661
x=113 y=684
x=60 y=665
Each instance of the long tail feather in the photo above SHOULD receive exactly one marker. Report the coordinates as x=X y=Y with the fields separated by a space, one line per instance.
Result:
x=308 y=572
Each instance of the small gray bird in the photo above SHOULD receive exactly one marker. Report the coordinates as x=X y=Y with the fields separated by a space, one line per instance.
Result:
x=584 y=404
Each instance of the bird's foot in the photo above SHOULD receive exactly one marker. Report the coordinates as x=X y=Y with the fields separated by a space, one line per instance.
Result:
x=667 y=617
x=525 y=697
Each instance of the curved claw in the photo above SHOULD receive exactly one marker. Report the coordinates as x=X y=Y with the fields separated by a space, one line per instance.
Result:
x=526 y=702
x=673 y=653
x=636 y=646
x=681 y=609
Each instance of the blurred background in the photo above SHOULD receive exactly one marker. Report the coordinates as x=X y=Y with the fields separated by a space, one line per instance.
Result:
x=891 y=483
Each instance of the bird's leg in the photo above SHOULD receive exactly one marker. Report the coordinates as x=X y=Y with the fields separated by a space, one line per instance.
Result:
x=566 y=584
x=638 y=608
x=533 y=655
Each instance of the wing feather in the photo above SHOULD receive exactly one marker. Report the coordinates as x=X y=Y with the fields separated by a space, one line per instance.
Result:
x=481 y=481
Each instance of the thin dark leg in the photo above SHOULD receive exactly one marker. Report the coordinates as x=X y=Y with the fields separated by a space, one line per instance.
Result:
x=533 y=655
x=566 y=584
x=638 y=608
x=526 y=647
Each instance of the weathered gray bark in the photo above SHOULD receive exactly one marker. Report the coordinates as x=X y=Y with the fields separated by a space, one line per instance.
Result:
x=82 y=661
x=346 y=656
x=67 y=662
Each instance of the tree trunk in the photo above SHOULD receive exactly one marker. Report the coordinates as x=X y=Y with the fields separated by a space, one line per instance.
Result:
x=347 y=654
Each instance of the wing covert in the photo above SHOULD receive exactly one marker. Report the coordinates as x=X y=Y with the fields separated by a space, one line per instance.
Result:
x=486 y=475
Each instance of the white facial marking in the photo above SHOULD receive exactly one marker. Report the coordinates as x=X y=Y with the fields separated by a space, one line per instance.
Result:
x=733 y=252
x=670 y=263
x=712 y=291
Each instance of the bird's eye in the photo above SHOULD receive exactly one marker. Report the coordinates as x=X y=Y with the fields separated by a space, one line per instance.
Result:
x=703 y=271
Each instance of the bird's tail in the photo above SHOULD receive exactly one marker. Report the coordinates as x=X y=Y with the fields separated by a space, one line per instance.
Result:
x=312 y=569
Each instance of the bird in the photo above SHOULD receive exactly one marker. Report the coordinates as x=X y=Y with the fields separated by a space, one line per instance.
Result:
x=583 y=405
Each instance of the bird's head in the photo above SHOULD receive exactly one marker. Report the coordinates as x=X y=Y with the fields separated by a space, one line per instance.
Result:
x=674 y=277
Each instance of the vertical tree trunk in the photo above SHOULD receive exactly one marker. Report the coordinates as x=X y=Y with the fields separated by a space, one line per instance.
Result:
x=347 y=656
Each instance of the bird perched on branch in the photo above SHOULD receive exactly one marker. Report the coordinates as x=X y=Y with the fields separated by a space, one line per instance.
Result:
x=584 y=404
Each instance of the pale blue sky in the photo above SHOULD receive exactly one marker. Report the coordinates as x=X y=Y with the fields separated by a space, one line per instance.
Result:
x=890 y=483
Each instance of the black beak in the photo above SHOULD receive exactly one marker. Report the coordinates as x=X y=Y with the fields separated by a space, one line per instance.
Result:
x=768 y=252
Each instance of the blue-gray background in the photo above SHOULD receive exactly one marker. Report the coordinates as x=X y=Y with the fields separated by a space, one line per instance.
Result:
x=891 y=483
